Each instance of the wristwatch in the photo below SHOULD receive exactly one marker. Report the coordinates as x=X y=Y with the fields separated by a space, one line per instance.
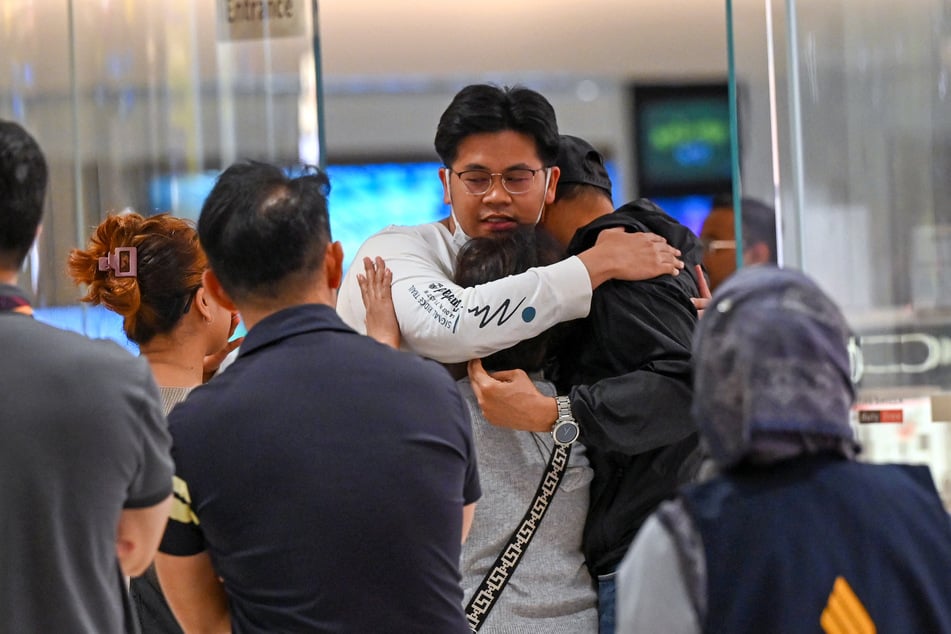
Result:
x=566 y=430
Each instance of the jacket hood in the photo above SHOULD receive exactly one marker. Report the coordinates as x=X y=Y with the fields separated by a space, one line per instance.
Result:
x=641 y=215
x=772 y=373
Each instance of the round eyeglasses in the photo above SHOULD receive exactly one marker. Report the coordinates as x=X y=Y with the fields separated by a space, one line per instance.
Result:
x=712 y=246
x=514 y=181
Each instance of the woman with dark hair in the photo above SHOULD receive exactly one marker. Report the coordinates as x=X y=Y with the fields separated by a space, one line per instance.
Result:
x=550 y=590
x=149 y=270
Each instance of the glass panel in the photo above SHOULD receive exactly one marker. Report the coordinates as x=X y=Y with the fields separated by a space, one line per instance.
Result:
x=137 y=102
x=862 y=160
x=758 y=102
x=36 y=91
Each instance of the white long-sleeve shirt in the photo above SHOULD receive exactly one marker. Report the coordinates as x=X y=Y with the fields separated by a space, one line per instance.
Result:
x=446 y=322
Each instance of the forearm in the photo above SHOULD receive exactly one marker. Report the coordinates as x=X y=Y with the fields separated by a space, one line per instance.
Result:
x=194 y=593
x=600 y=268
x=536 y=413
x=452 y=324
x=448 y=323
x=634 y=413
x=629 y=256
x=468 y=514
x=138 y=536
x=510 y=399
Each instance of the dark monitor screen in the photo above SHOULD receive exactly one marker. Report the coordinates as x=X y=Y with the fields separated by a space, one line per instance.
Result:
x=682 y=139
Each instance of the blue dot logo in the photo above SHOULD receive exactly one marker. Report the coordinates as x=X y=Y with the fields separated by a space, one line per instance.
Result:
x=528 y=314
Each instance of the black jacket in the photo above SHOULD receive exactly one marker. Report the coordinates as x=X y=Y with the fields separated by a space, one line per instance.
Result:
x=627 y=368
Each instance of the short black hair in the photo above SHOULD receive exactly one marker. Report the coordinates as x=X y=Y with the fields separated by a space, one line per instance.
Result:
x=759 y=224
x=759 y=221
x=261 y=229
x=572 y=191
x=481 y=108
x=23 y=178
x=485 y=259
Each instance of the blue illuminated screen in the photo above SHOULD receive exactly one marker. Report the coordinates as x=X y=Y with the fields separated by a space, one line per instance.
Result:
x=363 y=198
x=690 y=210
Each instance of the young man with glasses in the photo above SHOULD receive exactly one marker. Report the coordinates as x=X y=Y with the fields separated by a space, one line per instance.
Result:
x=498 y=147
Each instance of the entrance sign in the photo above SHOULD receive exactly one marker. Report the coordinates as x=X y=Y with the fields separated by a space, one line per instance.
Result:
x=261 y=19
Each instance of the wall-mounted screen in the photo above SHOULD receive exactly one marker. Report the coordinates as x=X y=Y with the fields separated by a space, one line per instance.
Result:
x=682 y=139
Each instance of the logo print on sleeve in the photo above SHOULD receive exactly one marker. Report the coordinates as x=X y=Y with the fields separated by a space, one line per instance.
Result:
x=487 y=315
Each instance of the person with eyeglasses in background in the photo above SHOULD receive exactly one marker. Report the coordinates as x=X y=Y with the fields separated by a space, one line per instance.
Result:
x=498 y=148
x=718 y=237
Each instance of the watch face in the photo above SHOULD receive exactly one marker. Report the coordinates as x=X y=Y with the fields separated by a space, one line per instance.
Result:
x=565 y=433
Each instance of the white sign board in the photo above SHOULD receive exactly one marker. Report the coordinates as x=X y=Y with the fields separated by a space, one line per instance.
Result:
x=261 y=19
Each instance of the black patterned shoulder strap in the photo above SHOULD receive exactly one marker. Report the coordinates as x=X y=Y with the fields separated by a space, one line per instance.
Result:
x=491 y=587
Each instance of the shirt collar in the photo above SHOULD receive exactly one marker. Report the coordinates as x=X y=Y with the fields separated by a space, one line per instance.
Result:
x=290 y=322
x=12 y=299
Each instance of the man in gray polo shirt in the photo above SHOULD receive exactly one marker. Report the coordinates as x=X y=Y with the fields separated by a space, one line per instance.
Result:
x=84 y=460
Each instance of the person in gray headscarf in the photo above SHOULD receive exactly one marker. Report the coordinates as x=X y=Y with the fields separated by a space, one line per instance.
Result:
x=792 y=534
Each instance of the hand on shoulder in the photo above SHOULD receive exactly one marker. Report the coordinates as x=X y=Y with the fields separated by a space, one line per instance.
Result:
x=630 y=256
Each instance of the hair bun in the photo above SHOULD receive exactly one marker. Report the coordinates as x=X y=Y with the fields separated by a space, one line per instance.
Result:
x=119 y=294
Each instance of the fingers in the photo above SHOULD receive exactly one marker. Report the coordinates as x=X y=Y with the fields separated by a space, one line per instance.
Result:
x=377 y=279
x=213 y=361
x=666 y=256
x=702 y=283
x=235 y=320
x=232 y=345
x=478 y=377
x=477 y=373
x=506 y=376
x=701 y=303
x=363 y=284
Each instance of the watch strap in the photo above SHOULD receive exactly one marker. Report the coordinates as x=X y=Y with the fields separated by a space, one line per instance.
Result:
x=565 y=420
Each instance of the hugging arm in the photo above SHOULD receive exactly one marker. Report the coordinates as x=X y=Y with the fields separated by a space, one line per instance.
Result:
x=631 y=414
x=446 y=322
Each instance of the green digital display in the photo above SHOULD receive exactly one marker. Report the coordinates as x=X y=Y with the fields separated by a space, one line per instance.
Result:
x=683 y=140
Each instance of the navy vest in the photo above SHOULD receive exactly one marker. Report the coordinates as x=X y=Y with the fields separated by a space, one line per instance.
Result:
x=776 y=539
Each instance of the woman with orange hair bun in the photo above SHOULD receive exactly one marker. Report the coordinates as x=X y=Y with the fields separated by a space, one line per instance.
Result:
x=149 y=270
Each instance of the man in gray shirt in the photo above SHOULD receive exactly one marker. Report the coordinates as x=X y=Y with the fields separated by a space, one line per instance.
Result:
x=84 y=460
